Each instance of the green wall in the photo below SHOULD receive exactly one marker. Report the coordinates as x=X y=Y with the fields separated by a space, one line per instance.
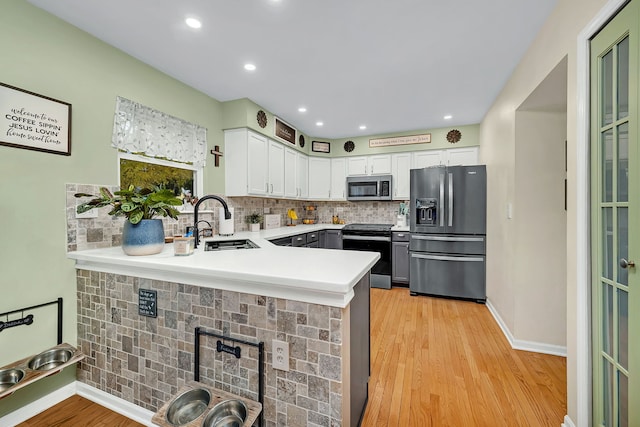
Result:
x=47 y=56
x=242 y=113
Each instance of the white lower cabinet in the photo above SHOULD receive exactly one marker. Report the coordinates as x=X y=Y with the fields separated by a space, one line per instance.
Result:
x=319 y=178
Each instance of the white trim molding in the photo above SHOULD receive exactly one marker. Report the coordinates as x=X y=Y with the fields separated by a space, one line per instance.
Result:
x=567 y=422
x=121 y=406
x=537 y=347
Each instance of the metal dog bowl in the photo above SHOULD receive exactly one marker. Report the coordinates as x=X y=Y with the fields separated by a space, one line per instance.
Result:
x=188 y=406
x=10 y=377
x=229 y=413
x=50 y=359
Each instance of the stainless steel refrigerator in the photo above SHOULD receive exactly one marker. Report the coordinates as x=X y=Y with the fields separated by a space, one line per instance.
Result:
x=448 y=232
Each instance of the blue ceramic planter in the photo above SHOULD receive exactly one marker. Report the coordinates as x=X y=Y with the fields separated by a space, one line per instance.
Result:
x=143 y=238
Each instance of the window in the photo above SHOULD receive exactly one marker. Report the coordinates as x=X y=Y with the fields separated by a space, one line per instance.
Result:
x=144 y=171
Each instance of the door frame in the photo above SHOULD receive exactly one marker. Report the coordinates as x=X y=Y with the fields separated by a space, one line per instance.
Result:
x=582 y=247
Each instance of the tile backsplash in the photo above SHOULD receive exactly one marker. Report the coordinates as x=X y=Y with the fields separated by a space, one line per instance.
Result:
x=106 y=231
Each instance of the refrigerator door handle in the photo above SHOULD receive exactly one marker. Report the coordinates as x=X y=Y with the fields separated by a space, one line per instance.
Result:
x=441 y=201
x=450 y=200
x=447 y=238
x=448 y=258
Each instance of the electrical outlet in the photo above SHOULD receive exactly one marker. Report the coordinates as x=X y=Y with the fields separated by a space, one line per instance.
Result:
x=280 y=355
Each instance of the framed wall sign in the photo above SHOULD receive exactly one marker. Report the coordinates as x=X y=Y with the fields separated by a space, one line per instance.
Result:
x=320 y=147
x=34 y=122
x=400 y=140
x=284 y=131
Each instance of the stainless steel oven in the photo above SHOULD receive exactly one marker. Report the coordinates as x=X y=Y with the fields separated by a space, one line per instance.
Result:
x=372 y=238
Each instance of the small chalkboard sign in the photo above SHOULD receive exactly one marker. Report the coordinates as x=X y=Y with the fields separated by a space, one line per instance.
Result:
x=147 y=303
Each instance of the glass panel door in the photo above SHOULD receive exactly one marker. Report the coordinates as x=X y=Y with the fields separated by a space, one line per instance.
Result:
x=615 y=221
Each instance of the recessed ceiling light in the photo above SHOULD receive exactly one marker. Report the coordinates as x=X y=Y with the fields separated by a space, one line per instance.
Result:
x=362 y=127
x=448 y=117
x=302 y=109
x=319 y=124
x=193 y=22
x=249 y=67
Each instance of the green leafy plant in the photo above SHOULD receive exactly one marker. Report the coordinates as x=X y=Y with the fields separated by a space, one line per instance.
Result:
x=134 y=203
x=254 y=218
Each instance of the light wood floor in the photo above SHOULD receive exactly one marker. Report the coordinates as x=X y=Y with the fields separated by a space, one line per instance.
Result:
x=77 y=411
x=441 y=362
x=435 y=362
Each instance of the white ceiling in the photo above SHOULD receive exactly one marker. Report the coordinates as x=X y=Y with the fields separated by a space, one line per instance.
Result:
x=392 y=65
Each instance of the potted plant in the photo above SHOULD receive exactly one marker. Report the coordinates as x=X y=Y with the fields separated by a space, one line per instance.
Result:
x=143 y=233
x=254 y=221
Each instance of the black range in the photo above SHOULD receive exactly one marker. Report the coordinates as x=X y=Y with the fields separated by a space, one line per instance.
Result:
x=372 y=238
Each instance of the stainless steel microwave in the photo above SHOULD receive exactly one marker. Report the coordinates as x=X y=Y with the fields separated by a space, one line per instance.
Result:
x=373 y=187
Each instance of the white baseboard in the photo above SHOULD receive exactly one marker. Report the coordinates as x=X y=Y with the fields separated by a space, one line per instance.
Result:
x=37 y=406
x=121 y=406
x=536 y=347
x=567 y=422
x=116 y=404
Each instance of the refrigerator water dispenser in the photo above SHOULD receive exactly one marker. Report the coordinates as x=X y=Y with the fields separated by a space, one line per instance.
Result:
x=426 y=211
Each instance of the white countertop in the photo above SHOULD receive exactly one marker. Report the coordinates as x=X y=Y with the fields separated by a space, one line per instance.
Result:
x=319 y=276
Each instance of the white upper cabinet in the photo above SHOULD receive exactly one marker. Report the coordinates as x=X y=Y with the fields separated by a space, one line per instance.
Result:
x=302 y=180
x=319 y=178
x=254 y=165
x=338 y=178
x=450 y=157
x=424 y=159
x=380 y=164
x=246 y=166
x=369 y=165
x=462 y=156
x=290 y=173
x=400 y=167
x=276 y=169
x=357 y=166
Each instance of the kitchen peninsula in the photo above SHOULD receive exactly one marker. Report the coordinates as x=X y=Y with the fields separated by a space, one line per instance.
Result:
x=315 y=300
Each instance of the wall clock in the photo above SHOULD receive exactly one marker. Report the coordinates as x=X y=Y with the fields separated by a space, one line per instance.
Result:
x=349 y=146
x=301 y=141
x=454 y=135
x=262 y=119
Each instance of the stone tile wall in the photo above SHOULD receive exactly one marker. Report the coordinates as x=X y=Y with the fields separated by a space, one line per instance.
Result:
x=146 y=360
x=106 y=231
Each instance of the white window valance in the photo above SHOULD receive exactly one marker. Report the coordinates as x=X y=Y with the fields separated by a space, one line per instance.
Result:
x=139 y=129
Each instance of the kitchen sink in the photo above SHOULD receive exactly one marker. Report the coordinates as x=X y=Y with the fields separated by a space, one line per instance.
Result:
x=224 y=245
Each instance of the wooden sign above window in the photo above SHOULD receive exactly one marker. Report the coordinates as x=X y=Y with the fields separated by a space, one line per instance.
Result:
x=284 y=131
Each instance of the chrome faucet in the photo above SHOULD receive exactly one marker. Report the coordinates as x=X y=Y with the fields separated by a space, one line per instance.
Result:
x=227 y=214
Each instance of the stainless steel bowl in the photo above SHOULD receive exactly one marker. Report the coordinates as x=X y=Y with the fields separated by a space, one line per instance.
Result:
x=50 y=359
x=188 y=406
x=10 y=377
x=228 y=413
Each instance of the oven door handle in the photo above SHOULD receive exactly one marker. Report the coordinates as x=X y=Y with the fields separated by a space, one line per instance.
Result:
x=365 y=238
x=448 y=258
